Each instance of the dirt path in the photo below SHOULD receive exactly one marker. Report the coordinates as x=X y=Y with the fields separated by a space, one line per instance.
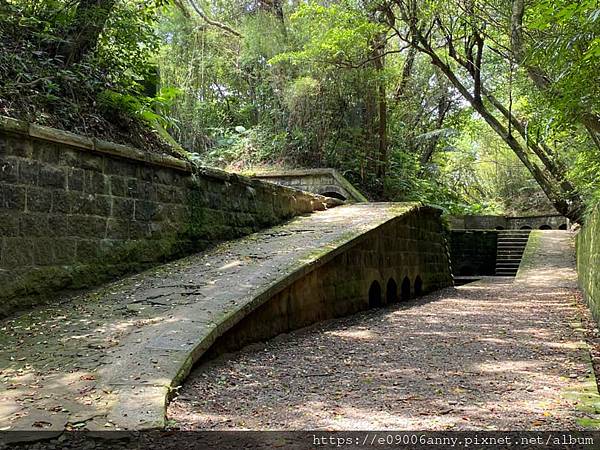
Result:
x=495 y=354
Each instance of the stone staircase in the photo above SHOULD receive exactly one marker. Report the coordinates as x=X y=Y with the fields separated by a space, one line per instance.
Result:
x=511 y=244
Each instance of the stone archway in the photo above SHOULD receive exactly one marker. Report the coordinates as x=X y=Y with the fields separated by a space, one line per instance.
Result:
x=418 y=286
x=332 y=191
x=375 y=299
x=334 y=195
x=391 y=292
x=405 y=289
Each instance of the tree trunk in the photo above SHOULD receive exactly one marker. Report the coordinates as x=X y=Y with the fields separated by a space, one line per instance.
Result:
x=84 y=31
x=540 y=79
x=443 y=107
x=406 y=74
x=382 y=160
x=568 y=203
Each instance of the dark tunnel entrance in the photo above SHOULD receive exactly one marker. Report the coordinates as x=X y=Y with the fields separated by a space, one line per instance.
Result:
x=375 y=299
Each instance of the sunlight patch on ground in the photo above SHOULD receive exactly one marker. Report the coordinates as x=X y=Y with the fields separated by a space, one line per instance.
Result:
x=354 y=334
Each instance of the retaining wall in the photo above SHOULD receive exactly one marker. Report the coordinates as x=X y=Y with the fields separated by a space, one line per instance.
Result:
x=328 y=182
x=76 y=211
x=588 y=261
x=473 y=252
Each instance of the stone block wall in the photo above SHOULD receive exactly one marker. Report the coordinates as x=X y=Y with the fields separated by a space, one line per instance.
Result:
x=588 y=262
x=473 y=252
x=402 y=259
x=76 y=211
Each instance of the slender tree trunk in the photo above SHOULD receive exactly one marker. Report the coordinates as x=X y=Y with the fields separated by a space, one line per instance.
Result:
x=382 y=160
x=443 y=107
x=84 y=31
x=567 y=203
x=540 y=79
x=406 y=73
x=369 y=127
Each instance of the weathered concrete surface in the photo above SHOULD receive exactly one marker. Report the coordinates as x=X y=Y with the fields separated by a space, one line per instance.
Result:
x=108 y=359
x=497 y=354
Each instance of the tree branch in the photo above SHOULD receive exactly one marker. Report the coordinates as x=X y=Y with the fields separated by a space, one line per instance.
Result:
x=212 y=22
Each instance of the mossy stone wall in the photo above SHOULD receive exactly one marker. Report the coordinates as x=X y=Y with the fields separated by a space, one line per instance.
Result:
x=588 y=261
x=75 y=211
x=400 y=260
x=473 y=252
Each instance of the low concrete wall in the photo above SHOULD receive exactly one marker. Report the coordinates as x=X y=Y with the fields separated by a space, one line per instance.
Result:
x=328 y=182
x=588 y=262
x=404 y=258
x=76 y=211
x=473 y=252
x=549 y=222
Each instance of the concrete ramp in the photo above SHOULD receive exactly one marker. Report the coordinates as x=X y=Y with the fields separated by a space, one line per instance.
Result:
x=549 y=259
x=110 y=358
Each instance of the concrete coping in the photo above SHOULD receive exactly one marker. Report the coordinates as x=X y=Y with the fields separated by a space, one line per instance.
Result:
x=81 y=142
x=535 y=216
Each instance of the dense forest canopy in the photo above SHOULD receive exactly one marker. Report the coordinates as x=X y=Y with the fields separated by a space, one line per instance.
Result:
x=481 y=106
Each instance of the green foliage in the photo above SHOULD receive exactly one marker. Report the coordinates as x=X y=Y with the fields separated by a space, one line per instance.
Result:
x=111 y=92
x=334 y=34
x=567 y=45
x=149 y=109
x=311 y=90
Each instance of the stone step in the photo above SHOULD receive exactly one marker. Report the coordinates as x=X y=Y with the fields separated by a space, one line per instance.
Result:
x=509 y=252
x=506 y=273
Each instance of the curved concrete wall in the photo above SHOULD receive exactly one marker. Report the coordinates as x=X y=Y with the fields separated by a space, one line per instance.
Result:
x=401 y=259
x=327 y=182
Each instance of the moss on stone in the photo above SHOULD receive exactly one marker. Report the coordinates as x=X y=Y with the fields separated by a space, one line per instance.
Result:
x=531 y=248
x=588 y=261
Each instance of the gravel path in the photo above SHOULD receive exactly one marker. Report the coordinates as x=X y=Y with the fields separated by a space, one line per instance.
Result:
x=495 y=354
